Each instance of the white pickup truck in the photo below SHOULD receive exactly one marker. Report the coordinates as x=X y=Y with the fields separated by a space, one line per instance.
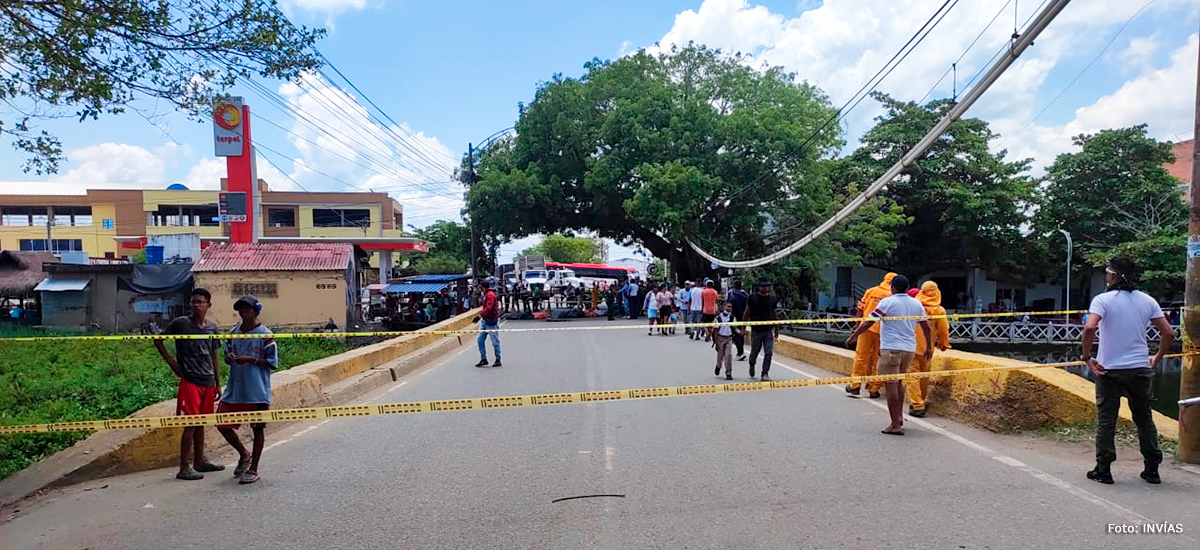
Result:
x=551 y=279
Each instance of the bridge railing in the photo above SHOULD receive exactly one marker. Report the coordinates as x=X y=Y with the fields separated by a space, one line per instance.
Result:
x=1016 y=330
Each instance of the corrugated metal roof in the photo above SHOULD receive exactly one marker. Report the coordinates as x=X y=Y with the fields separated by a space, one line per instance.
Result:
x=59 y=285
x=274 y=257
x=408 y=288
x=427 y=278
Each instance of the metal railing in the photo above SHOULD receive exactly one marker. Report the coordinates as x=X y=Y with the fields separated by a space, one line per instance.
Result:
x=976 y=330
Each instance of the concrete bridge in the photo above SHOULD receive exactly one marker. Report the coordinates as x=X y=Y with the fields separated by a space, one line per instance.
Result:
x=797 y=468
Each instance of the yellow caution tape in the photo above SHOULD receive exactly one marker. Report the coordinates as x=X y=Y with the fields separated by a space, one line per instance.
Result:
x=484 y=403
x=392 y=334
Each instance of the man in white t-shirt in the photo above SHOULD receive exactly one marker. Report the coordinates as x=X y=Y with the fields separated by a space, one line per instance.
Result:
x=696 y=305
x=897 y=344
x=1124 y=365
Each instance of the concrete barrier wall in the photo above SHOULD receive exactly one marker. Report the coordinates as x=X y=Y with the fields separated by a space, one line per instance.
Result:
x=998 y=401
x=114 y=452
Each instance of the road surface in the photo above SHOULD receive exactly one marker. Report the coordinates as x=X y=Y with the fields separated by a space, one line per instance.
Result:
x=802 y=468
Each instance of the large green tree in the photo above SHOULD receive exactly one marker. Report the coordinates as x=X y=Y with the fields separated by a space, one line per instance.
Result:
x=1114 y=197
x=557 y=247
x=966 y=205
x=651 y=149
x=85 y=58
x=451 y=249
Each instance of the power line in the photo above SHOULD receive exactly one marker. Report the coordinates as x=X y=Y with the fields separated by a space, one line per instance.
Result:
x=966 y=51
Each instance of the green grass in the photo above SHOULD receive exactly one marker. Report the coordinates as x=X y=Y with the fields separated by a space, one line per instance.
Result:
x=72 y=381
x=1086 y=432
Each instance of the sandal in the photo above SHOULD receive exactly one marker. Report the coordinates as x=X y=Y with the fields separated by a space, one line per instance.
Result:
x=209 y=467
x=242 y=466
x=189 y=475
x=897 y=432
x=248 y=478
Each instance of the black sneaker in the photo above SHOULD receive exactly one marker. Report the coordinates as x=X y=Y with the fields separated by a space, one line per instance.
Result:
x=1150 y=474
x=717 y=371
x=765 y=377
x=741 y=357
x=497 y=363
x=729 y=377
x=873 y=395
x=916 y=413
x=853 y=391
x=1102 y=476
x=482 y=362
x=751 y=370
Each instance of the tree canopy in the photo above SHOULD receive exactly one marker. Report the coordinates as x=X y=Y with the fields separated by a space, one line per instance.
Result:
x=98 y=58
x=451 y=250
x=966 y=204
x=557 y=247
x=651 y=149
x=1115 y=197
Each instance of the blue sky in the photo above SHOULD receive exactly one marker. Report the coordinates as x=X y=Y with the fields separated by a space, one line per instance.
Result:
x=453 y=73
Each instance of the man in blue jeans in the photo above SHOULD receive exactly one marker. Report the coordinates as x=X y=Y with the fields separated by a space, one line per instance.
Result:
x=489 y=319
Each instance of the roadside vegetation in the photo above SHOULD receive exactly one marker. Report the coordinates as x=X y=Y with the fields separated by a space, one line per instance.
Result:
x=71 y=381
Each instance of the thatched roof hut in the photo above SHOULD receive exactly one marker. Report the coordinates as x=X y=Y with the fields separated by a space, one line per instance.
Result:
x=21 y=271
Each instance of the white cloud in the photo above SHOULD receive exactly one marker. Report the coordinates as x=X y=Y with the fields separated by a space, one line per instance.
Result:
x=116 y=163
x=839 y=45
x=206 y=174
x=329 y=7
x=1161 y=98
x=1140 y=51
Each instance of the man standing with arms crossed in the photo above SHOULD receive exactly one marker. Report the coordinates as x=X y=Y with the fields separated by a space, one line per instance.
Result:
x=489 y=319
x=761 y=307
x=897 y=343
x=195 y=363
x=1124 y=365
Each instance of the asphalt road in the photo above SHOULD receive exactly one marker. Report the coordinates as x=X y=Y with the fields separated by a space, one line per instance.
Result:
x=804 y=468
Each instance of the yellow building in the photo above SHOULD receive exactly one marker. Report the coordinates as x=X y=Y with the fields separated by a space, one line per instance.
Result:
x=115 y=221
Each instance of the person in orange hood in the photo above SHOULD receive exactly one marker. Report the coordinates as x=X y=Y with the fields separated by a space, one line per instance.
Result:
x=866 y=351
x=917 y=389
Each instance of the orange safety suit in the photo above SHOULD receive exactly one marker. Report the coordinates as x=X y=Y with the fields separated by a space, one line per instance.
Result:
x=866 y=351
x=917 y=389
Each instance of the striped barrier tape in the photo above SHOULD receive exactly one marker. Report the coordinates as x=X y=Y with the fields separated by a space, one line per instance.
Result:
x=484 y=403
x=378 y=334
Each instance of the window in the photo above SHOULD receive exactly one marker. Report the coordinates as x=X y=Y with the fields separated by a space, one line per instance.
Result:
x=183 y=216
x=23 y=215
x=281 y=217
x=341 y=217
x=78 y=216
x=57 y=245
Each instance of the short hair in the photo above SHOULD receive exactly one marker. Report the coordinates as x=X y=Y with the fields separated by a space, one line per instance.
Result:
x=899 y=284
x=1127 y=270
x=737 y=283
x=484 y=283
x=202 y=292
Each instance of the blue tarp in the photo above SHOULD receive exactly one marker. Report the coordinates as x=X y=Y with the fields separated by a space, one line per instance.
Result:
x=408 y=288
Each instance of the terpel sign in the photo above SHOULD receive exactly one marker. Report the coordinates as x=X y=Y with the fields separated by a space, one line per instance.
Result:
x=227 y=127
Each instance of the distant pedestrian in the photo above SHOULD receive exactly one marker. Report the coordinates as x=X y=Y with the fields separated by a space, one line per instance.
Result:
x=195 y=363
x=685 y=306
x=651 y=304
x=630 y=293
x=897 y=343
x=738 y=298
x=761 y=307
x=708 y=306
x=489 y=320
x=696 y=305
x=251 y=361
x=666 y=302
x=1124 y=365
x=722 y=338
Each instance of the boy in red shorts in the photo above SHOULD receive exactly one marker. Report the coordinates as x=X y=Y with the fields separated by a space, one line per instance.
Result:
x=251 y=361
x=195 y=363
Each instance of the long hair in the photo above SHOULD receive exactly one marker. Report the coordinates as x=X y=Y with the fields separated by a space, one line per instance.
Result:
x=1127 y=274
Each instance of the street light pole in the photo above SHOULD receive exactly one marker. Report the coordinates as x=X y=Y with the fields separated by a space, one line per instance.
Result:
x=1067 y=296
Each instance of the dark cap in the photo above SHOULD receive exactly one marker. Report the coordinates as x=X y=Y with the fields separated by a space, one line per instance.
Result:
x=247 y=301
x=762 y=281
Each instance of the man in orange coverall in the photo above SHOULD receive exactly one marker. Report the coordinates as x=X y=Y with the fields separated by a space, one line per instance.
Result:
x=918 y=389
x=866 y=351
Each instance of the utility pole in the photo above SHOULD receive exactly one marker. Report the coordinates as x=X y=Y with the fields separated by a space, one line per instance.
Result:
x=474 y=230
x=1189 y=378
